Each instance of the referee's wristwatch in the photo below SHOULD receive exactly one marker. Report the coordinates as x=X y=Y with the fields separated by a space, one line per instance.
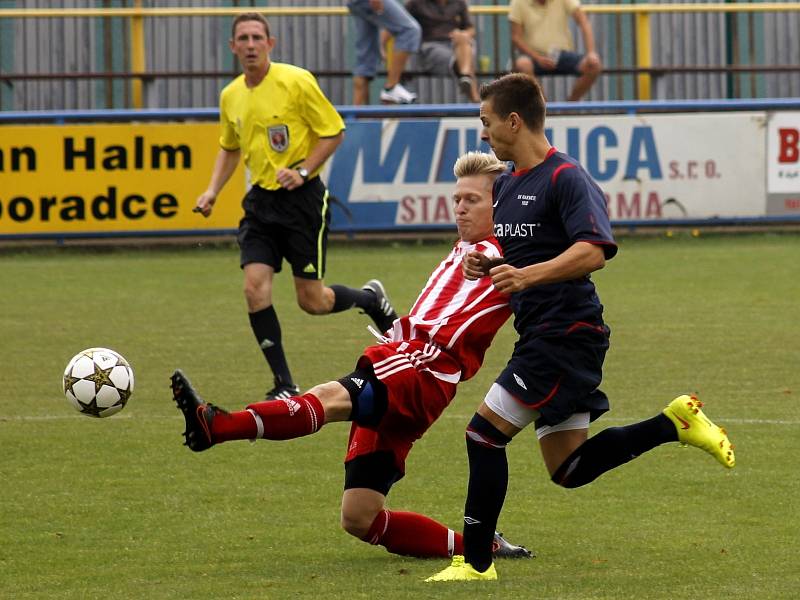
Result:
x=303 y=172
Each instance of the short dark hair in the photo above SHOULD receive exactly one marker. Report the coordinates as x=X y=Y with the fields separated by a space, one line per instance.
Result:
x=250 y=16
x=519 y=93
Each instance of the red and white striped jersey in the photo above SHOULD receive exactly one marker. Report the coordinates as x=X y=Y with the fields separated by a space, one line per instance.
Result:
x=455 y=315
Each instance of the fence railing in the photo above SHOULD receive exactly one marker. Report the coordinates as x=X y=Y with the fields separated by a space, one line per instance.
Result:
x=137 y=74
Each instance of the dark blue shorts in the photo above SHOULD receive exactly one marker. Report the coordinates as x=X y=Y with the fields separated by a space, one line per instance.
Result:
x=567 y=64
x=557 y=370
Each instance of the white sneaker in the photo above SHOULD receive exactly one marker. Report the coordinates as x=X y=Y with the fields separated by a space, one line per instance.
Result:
x=398 y=95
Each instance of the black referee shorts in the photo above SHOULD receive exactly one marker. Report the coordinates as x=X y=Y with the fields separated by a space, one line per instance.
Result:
x=286 y=224
x=558 y=371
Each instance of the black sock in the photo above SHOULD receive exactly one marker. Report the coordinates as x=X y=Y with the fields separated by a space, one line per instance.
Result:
x=488 y=482
x=346 y=298
x=611 y=448
x=267 y=330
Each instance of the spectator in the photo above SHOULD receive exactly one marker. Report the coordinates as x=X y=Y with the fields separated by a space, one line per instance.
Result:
x=370 y=16
x=543 y=42
x=447 y=41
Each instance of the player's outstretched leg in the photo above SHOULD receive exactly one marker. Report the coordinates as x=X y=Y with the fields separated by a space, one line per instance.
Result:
x=502 y=548
x=197 y=414
x=382 y=312
x=463 y=571
x=696 y=429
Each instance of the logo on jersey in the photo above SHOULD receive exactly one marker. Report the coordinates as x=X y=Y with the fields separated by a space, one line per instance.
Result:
x=520 y=383
x=278 y=137
x=359 y=382
x=503 y=230
x=526 y=199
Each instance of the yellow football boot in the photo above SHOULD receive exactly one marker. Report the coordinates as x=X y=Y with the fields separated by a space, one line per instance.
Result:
x=696 y=429
x=463 y=571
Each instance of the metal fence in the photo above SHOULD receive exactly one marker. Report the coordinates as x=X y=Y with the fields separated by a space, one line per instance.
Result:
x=84 y=62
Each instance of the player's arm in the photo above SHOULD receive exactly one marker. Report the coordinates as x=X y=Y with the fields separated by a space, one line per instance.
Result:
x=575 y=262
x=322 y=151
x=476 y=264
x=224 y=166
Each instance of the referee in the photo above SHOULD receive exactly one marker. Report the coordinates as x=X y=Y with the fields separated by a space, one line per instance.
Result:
x=276 y=116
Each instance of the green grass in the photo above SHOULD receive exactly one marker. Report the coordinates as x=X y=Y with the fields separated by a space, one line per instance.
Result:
x=117 y=508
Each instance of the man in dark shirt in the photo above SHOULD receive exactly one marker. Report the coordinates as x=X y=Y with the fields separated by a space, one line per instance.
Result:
x=447 y=41
x=551 y=221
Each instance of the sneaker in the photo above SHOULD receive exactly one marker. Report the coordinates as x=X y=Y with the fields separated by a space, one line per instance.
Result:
x=197 y=414
x=502 y=548
x=465 y=85
x=696 y=429
x=282 y=391
x=382 y=312
x=463 y=571
x=398 y=95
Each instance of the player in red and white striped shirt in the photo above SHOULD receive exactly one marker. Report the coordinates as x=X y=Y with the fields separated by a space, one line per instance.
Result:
x=399 y=388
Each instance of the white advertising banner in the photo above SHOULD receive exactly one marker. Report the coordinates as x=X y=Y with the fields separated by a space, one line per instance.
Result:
x=783 y=153
x=662 y=167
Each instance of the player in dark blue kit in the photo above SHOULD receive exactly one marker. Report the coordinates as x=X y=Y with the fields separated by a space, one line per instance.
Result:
x=551 y=221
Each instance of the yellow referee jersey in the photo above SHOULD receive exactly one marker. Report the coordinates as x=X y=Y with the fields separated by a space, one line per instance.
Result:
x=276 y=123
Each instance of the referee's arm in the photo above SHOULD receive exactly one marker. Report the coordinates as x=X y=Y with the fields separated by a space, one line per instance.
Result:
x=224 y=166
x=290 y=179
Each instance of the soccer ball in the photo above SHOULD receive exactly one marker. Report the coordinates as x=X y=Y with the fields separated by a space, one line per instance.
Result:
x=98 y=382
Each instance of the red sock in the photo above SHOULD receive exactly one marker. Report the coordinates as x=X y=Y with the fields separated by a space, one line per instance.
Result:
x=238 y=425
x=412 y=534
x=290 y=418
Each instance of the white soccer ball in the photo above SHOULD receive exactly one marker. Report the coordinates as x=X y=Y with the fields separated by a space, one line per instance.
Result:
x=98 y=382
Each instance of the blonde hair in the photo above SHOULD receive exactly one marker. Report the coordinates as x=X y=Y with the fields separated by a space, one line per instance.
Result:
x=478 y=163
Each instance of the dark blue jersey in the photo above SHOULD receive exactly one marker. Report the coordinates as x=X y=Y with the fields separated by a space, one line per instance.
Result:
x=538 y=214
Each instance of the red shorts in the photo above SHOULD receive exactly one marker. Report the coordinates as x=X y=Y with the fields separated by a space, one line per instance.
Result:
x=421 y=381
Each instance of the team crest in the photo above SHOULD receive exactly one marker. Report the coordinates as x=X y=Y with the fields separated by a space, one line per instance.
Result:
x=278 y=137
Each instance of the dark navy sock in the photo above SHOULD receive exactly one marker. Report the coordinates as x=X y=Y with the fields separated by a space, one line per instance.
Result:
x=488 y=482
x=611 y=448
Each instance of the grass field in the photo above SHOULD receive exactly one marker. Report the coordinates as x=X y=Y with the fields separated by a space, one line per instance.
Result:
x=117 y=508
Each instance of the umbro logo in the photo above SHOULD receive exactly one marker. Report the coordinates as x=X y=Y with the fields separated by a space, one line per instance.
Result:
x=358 y=382
x=471 y=521
x=266 y=343
x=520 y=383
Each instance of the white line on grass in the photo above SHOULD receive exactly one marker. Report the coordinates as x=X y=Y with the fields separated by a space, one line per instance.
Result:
x=721 y=420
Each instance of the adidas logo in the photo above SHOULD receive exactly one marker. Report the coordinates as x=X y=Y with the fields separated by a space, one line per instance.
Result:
x=266 y=343
x=293 y=406
x=519 y=381
x=309 y=268
x=358 y=382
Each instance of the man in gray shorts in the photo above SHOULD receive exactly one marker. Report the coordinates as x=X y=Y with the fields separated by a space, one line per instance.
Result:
x=447 y=41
